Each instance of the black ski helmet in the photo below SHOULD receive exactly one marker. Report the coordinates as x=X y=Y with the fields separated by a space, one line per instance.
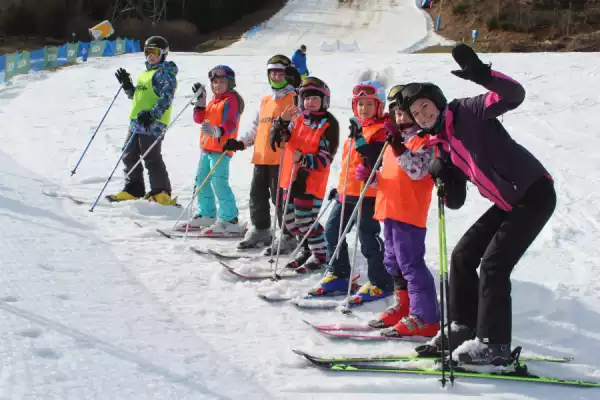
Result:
x=313 y=86
x=158 y=42
x=423 y=90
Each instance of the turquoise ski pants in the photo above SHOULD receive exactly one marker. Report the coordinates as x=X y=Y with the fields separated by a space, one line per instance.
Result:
x=217 y=185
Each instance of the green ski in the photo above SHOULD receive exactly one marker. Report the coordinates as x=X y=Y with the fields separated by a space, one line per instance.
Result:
x=520 y=372
x=391 y=358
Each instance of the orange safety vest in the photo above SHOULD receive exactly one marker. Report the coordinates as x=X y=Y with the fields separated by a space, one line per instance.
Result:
x=269 y=110
x=399 y=197
x=214 y=114
x=306 y=139
x=354 y=185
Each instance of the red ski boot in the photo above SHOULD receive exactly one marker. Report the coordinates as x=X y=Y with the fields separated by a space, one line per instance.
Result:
x=411 y=326
x=395 y=313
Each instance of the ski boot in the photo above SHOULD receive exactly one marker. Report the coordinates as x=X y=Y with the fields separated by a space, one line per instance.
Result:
x=121 y=196
x=301 y=257
x=256 y=238
x=225 y=229
x=411 y=326
x=312 y=264
x=368 y=292
x=331 y=285
x=288 y=245
x=478 y=352
x=460 y=334
x=196 y=224
x=392 y=315
x=162 y=198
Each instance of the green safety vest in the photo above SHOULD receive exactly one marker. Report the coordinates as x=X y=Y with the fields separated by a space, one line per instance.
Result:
x=144 y=97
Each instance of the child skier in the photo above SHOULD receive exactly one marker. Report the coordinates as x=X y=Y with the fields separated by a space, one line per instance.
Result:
x=219 y=120
x=402 y=204
x=150 y=114
x=311 y=143
x=283 y=78
x=368 y=138
x=505 y=173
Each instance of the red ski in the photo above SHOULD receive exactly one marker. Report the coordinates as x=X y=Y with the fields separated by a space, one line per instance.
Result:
x=359 y=332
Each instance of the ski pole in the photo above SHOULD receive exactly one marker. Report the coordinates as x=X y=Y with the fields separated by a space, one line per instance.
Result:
x=96 y=131
x=190 y=216
x=286 y=204
x=162 y=135
x=133 y=135
x=277 y=196
x=346 y=308
x=356 y=208
x=444 y=286
x=198 y=189
x=332 y=195
x=345 y=189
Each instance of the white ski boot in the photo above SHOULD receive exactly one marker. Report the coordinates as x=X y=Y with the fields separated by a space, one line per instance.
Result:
x=196 y=224
x=225 y=229
x=256 y=238
x=288 y=245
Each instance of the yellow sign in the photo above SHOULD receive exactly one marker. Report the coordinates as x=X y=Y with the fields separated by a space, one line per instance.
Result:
x=102 y=30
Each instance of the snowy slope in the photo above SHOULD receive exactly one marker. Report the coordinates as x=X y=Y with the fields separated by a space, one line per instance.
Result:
x=98 y=305
x=375 y=25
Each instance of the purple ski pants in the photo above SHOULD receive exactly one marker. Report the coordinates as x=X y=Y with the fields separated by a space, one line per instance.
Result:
x=405 y=255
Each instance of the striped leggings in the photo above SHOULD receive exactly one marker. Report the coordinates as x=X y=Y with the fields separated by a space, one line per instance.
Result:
x=298 y=218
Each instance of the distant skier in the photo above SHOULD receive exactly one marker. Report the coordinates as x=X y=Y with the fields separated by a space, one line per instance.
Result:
x=282 y=78
x=311 y=141
x=364 y=144
x=299 y=61
x=219 y=121
x=478 y=148
x=150 y=114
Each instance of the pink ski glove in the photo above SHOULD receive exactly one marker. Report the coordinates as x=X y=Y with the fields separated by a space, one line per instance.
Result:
x=362 y=172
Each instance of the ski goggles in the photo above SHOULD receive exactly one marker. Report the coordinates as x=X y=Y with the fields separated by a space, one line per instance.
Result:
x=218 y=73
x=153 y=51
x=364 y=90
x=394 y=91
x=278 y=62
x=412 y=91
x=316 y=84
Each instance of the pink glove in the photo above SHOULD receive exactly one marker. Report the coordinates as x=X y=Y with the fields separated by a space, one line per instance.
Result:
x=362 y=172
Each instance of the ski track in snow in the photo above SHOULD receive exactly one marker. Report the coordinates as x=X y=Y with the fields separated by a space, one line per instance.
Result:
x=98 y=305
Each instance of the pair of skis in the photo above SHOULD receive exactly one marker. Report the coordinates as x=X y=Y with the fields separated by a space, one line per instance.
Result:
x=430 y=365
x=304 y=301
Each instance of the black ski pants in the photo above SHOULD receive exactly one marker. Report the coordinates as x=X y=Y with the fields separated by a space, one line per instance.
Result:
x=262 y=190
x=495 y=243
x=157 y=171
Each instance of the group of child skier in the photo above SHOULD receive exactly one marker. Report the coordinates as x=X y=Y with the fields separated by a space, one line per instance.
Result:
x=391 y=161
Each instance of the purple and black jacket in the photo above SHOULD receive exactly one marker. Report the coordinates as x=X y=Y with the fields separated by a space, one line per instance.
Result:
x=479 y=145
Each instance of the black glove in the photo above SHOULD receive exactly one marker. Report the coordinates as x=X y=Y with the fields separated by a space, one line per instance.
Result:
x=233 y=145
x=124 y=79
x=299 y=185
x=355 y=128
x=472 y=68
x=275 y=138
x=292 y=76
x=397 y=142
x=145 y=118
x=440 y=170
x=333 y=193
x=278 y=133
